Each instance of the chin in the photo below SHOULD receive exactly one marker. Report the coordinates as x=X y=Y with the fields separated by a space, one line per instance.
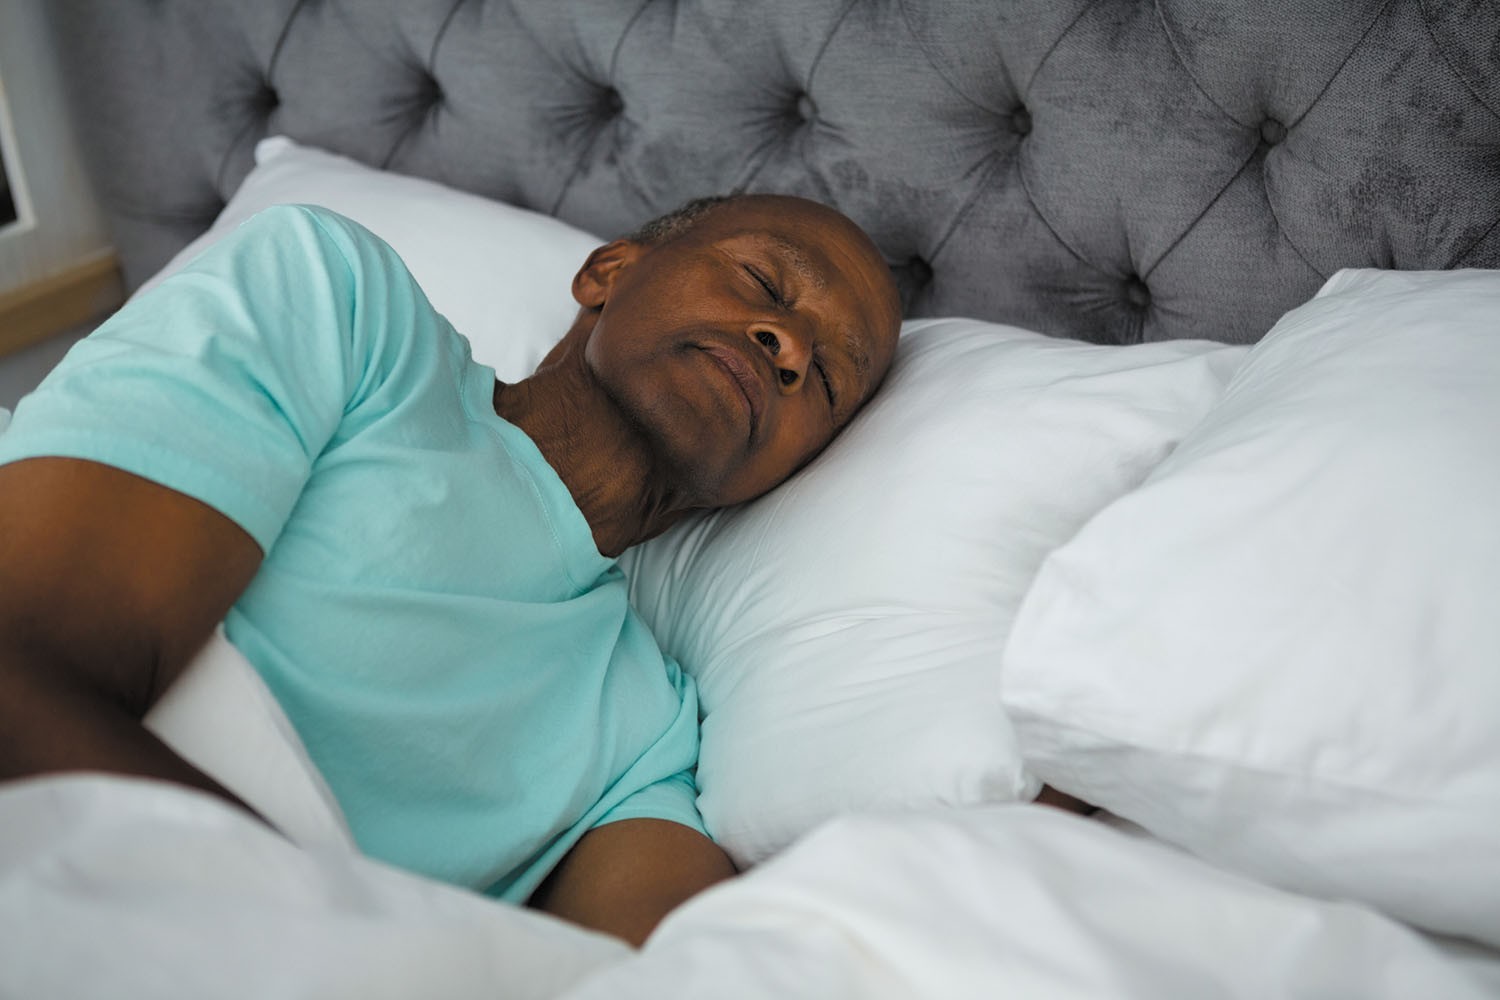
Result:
x=682 y=452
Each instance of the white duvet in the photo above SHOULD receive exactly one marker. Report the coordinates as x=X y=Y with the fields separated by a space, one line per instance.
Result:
x=122 y=888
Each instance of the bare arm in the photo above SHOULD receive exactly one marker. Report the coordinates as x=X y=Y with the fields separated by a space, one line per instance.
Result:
x=623 y=878
x=108 y=585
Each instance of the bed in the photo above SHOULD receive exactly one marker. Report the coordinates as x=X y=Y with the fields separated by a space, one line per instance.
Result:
x=1181 y=491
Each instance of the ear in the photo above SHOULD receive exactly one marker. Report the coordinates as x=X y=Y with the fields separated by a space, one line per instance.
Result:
x=592 y=282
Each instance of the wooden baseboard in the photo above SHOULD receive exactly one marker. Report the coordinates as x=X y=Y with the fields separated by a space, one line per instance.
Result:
x=86 y=292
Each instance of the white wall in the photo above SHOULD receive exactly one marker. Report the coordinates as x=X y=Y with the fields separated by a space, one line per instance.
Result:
x=60 y=225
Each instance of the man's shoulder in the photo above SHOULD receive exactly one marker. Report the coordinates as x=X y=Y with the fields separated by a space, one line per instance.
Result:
x=312 y=222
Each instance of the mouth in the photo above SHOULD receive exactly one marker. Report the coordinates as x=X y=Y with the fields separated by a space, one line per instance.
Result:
x=742 y=375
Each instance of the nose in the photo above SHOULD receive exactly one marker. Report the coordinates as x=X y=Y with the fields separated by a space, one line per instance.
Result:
x=789 y=354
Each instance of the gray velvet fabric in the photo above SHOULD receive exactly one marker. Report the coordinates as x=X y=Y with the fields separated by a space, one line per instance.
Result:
x=1115 y=170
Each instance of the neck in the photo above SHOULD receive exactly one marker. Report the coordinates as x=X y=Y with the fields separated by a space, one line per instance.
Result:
x=584 y=437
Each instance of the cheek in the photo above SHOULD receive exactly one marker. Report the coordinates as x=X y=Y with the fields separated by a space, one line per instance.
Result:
x=807 y=431
x=607 y=348
x=797 y=443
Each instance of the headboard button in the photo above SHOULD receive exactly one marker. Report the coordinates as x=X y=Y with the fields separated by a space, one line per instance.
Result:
x=612 y=102
x=431 y=92
x=1272 y=131
x=805 y=108
x=911 y=276
x=1020 y=121
x=1136 y=292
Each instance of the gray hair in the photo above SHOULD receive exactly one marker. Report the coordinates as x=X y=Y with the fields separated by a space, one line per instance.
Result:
x=665 y=228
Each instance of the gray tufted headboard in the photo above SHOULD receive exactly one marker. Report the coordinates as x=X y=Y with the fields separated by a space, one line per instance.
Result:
x=1114 y=170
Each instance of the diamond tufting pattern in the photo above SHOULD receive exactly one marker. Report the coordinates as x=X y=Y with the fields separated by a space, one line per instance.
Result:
x=1116 y=170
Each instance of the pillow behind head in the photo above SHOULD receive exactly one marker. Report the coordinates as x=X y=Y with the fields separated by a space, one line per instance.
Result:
x=1283 y=651
x=501 y=275
x=845 y=630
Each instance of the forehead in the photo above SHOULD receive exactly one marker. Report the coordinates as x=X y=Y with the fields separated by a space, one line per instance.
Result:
x=798 y=259
x=806 y=229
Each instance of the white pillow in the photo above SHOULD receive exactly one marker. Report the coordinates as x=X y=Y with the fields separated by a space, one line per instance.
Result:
x=500 y=274
x=1283 y=651
x=846 y=629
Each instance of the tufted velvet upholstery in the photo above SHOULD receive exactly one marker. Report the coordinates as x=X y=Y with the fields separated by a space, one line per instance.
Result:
x=1115 y=170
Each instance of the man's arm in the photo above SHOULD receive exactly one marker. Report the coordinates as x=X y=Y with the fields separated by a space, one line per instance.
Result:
x=624 y=877
x=108 y=585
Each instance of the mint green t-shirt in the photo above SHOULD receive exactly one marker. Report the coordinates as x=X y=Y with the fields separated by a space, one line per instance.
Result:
x=432 y=613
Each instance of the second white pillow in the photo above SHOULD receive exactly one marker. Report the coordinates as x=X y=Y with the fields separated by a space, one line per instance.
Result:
x=1283 y=651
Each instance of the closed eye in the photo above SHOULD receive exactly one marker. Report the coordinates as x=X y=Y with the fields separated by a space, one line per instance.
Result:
x=827 y=384
x=776 y=299
x=771 y=291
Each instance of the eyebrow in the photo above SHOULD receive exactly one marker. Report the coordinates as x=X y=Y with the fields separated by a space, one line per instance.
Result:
x=857 y=354
x=800 y=262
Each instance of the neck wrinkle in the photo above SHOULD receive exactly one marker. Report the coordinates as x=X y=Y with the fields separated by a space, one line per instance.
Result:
x=605 y=466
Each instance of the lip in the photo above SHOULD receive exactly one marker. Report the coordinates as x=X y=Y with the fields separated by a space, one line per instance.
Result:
x=741 y=371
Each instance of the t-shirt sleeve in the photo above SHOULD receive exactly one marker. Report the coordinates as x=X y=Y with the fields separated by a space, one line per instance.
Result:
x=674 y=798
x=229 y=379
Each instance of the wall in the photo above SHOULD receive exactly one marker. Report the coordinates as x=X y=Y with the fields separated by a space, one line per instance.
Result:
x=65 y=225
x=60 y=232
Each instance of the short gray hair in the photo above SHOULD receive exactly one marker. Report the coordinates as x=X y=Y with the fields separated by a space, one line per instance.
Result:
x=675 y=223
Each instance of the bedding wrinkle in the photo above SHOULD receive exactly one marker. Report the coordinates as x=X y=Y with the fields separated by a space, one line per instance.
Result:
x=1238 y=593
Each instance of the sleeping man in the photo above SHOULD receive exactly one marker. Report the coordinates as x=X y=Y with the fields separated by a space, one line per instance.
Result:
x=418 y=559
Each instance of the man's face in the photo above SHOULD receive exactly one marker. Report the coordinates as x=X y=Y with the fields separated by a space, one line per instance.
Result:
x=740 y=348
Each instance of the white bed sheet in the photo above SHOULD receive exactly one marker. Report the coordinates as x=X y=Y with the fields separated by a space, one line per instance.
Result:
x=125 y=888
x=1022 y=901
